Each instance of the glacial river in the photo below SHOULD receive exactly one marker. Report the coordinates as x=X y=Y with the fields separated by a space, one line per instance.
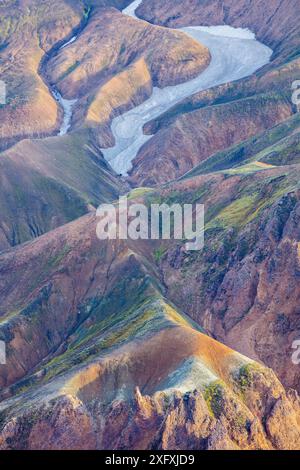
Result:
x=235 y=54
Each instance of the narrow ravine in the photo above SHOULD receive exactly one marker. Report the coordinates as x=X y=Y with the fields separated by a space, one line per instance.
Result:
x=66 y=105
x=235 y=54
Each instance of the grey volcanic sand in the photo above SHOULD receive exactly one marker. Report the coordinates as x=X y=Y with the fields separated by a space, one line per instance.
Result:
x=235 y=54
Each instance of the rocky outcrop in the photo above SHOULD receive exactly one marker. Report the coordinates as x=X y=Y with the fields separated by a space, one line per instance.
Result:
x=77 y=350
x=28 y=96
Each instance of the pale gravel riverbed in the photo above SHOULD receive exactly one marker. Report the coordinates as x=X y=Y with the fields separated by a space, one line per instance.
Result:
x=235 y=54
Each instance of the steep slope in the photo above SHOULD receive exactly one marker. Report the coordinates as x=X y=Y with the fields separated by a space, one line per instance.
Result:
x=46 y=183
x=127 y=344
x=278 y=146
x=127 y=371
x=78 y=67
x=114 y=64
x=197 y=135
x=243 y=286
x=117 y=61
x=39 y=25
x=44 y=26
x=275 y=22
x=182 y=137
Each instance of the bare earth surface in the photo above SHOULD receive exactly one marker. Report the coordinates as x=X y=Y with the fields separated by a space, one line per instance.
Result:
x=142 y=344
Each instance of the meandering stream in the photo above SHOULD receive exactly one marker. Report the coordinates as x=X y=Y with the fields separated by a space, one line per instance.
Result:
x=235 y=54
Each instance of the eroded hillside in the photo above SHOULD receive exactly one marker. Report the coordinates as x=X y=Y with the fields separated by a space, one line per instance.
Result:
x=143 y=344
x=98 y=358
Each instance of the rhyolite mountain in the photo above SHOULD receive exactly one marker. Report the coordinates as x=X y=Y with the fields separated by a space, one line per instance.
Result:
x=236 y=111
x=142 y=344
x=98 y=357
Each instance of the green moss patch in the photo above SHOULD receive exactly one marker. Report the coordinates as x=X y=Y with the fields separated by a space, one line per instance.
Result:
x=213 y=395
